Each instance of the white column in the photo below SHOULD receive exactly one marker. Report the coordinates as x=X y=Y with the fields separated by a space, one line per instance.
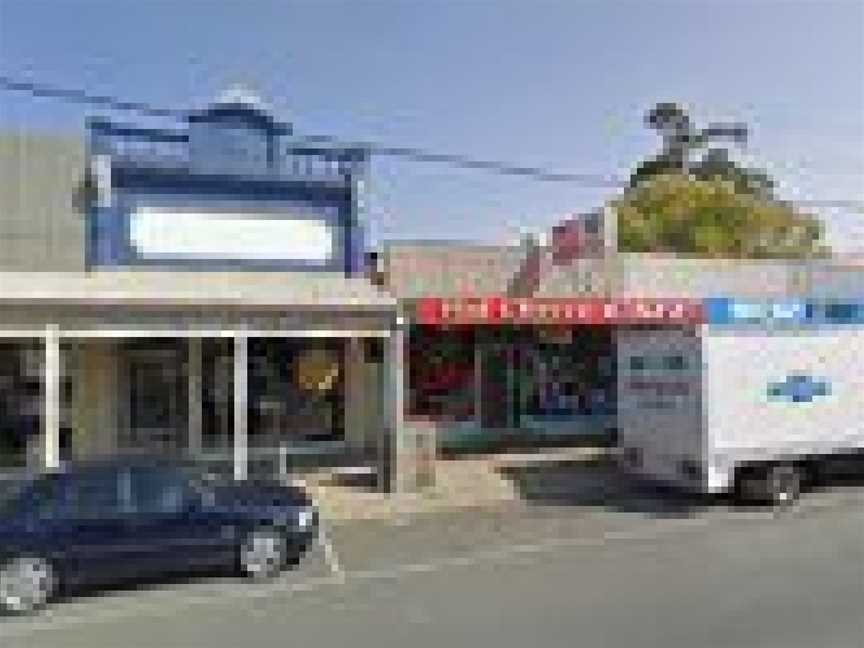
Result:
x=193 y=364
x=51 y=413
x=241 y=397
x=394 y=412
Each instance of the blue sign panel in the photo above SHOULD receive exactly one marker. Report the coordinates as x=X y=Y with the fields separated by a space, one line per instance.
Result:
x=724 y=310
x=798 y=388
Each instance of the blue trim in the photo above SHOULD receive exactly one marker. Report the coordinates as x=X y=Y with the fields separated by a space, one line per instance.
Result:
x=726 y=311
x=718 y=310
x=155 y=167
x=104 y=128
x=179 y=181
x=240 y=113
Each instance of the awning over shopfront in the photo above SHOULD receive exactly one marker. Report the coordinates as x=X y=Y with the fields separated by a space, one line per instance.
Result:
x=187 y=303
x=152 y=287
x=83 y=319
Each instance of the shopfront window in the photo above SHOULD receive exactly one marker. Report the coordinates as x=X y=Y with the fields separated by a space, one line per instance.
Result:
x=296 y=391
x=442 y=374
x=21 y=401
x=217 y=393
x=157 y=395
x=567 y=373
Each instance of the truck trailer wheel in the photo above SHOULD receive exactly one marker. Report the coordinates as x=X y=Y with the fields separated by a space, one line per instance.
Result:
x=783 y=484
x=776 y=484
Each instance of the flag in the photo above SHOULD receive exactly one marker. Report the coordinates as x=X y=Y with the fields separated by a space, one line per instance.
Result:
x=568 y=240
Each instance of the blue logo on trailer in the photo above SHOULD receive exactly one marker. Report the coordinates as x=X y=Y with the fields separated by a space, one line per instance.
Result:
x=798 y=388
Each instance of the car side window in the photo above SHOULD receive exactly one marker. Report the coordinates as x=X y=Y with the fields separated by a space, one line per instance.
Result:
x=45 y=497
x=159 y=491
x=97 y=495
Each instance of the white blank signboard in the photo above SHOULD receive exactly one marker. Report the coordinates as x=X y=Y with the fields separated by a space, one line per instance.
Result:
x=170 y=233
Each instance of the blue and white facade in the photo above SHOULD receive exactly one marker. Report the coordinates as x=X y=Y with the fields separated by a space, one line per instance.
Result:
x=221 y=315
x=231 y=190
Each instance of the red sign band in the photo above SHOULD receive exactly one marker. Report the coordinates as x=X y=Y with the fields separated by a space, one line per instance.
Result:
x=503 y=310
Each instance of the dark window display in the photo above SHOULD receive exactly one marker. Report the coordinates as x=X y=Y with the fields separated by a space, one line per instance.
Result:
x=18 y=420
x=21 y=401
x=441 y=374
x=156 y=395
x=296 y=391
x=568 y=373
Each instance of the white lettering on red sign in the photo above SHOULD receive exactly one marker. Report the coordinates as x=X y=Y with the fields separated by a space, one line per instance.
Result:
x=549 y=311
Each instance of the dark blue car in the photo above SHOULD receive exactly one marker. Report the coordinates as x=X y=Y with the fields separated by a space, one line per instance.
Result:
x=111 y=522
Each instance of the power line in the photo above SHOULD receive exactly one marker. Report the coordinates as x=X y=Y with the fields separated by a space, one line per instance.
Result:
x=839 y=204
x=416 y=154
x=83 y=97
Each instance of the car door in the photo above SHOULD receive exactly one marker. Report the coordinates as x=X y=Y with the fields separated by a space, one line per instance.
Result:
x=44 y=509
x=170 y=517
x=93 y=529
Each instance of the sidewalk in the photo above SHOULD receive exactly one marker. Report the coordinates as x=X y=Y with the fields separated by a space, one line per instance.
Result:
x=462 y=483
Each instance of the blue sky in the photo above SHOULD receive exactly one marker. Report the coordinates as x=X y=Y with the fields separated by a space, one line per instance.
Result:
x=559 y=84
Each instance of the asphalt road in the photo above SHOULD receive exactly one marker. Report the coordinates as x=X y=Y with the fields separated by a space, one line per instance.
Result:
x=640 y=570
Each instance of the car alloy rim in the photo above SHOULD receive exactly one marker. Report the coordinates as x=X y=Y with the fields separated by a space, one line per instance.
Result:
x=263 y=554
x=25 y=584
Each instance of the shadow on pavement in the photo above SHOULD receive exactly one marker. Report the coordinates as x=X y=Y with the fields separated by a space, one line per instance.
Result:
x=600 y=484
x=214 y=578
x=129 y=585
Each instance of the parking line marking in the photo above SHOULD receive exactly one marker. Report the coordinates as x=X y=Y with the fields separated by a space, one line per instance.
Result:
x=330 y=555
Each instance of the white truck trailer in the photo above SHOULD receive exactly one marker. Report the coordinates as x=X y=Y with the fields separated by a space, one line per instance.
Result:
x=749 y=402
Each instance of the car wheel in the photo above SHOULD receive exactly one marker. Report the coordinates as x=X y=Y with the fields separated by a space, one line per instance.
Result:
x=26 y=584
x=263 y=554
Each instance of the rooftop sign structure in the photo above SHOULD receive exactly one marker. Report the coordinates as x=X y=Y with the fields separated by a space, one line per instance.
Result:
x=232 y=190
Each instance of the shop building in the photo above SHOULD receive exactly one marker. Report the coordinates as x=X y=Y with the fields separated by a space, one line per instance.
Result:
x=204 y=292
x=519 y=343
x=197 y=292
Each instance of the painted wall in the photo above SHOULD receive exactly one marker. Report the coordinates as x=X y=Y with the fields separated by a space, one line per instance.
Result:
x=42 y=225
x=795 y=390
